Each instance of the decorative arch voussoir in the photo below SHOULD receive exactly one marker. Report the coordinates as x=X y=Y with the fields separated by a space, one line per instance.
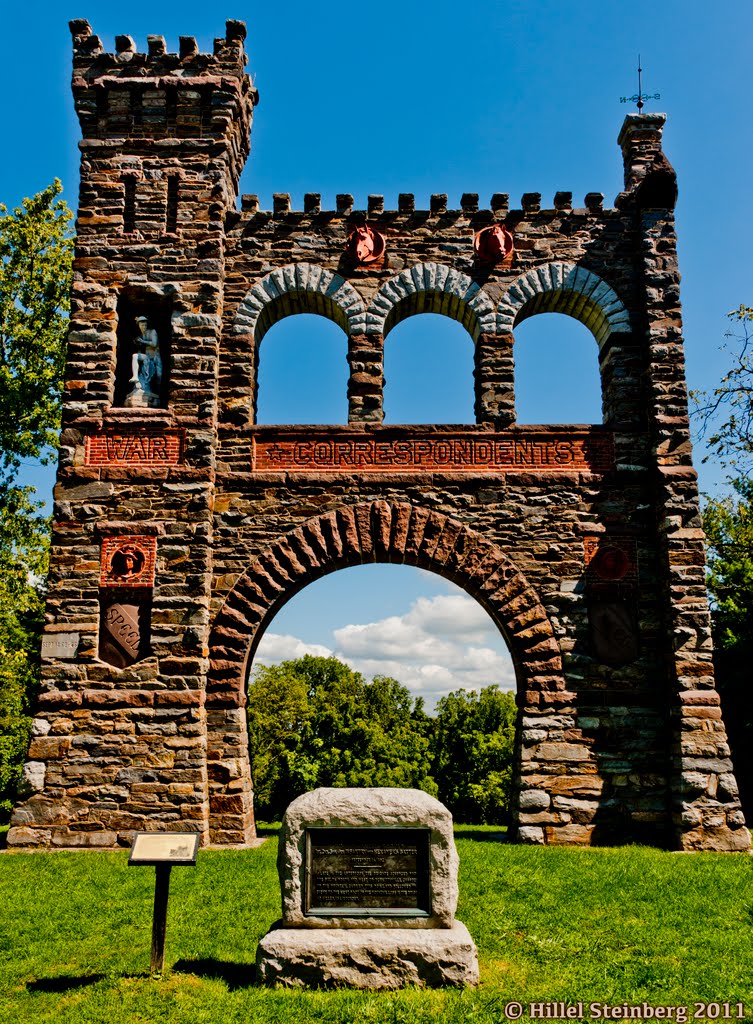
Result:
x=564 y=288
x=300 y=288
x=387 y=532
x=431 y=288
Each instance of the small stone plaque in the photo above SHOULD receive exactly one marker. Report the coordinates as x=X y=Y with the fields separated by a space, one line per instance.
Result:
x=352 y=872
x=60 y=645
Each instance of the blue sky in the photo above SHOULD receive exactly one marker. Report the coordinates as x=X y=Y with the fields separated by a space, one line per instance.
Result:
x=517 y=96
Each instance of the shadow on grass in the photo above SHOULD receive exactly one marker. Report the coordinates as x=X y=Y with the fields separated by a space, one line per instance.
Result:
x=234 y=975
x=481 y=837
x=63 y=982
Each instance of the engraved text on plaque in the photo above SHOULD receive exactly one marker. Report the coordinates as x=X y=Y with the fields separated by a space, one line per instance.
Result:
x=353 y=872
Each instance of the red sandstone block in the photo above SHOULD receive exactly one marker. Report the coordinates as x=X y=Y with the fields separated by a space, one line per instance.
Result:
x=48 y=748
x=698 y=712
x=579 y=835
x=179 y=698
x=118 y=698
x=59 y=699
x=348 y=531
x=381 y=526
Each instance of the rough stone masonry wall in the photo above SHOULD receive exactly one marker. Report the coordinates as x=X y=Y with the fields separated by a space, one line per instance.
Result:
x=620 y=738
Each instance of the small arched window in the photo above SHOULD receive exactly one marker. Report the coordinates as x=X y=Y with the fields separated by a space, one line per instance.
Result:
x=557 y=376
x=428 y=369
x=302 y=374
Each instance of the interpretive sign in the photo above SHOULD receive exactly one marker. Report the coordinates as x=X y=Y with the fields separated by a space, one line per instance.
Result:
x=138 y=448
x=537 y=451
x=164 y=850
x=366 y=871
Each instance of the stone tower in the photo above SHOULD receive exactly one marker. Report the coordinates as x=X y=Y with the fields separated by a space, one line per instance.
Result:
x=181 y=526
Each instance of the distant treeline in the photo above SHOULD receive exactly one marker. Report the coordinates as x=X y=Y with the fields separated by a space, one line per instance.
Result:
x=315 y=722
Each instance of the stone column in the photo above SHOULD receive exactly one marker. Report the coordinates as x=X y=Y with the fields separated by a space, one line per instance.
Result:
x=706 y=808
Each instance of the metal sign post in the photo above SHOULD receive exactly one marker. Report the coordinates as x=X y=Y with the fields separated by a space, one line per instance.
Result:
x=163 y=850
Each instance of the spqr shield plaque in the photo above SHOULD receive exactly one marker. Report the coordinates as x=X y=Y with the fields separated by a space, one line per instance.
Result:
x=122 y=632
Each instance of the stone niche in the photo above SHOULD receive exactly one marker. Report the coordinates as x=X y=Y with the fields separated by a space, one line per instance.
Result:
x=369 y=881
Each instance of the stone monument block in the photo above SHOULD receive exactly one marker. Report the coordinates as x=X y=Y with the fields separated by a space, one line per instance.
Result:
x=369 y=892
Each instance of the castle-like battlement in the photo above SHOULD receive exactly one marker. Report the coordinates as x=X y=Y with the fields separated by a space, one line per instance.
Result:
x=499 y=205
x=89 y=52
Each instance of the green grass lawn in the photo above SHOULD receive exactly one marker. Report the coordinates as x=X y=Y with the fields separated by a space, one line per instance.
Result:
x=610 y=925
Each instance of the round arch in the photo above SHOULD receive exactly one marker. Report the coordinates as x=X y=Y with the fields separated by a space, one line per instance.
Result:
x=373 y=531
x=564 y=288
x=431 y=288
x=299 y=288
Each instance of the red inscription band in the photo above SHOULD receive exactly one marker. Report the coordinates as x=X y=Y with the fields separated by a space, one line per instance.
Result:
x=140 y=448
x=491 y=453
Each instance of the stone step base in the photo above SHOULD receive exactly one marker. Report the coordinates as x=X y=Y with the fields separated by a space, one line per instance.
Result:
x=368 y=958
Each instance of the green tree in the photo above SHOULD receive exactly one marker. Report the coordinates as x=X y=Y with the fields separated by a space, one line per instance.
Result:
x=725 y=415
x=315 y=722
x=36 y=250
x=728 y=522
x=474 y=738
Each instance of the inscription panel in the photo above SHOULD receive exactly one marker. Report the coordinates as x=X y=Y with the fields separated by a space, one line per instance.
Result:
x=552 y=452
x=140 y=448
x=352 y=872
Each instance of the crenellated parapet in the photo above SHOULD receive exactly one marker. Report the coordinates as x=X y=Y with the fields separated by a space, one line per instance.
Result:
x=161 y=102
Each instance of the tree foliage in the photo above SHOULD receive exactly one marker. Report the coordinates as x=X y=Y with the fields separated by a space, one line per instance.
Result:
x=474 y=739
x=728 y=522
x=36 y=250
x=315 y=722
x=725 y=414
x=726 y=417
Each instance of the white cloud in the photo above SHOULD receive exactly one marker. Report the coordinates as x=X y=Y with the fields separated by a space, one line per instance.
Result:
x=441 y=644
x=276 y=647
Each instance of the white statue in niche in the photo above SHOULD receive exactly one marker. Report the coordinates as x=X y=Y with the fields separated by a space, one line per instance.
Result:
x=146 y=368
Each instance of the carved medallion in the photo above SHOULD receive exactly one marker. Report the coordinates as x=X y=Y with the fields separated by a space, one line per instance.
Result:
x=128 y=561
x=494 y=245
x=365 y=245
x=610 y=559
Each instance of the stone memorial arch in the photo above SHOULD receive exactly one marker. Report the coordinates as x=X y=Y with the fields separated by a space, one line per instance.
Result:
x=181 y=526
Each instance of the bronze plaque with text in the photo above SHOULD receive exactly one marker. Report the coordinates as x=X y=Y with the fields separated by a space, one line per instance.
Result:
x=352 y=872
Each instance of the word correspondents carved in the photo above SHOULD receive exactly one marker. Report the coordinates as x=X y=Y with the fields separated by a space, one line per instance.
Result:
x=491 y=453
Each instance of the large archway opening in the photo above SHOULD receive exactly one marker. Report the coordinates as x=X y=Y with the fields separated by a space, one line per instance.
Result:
x=380 y=531
x=384 y=675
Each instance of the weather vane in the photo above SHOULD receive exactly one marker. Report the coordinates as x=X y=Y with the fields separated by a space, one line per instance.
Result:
x=640 y=96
